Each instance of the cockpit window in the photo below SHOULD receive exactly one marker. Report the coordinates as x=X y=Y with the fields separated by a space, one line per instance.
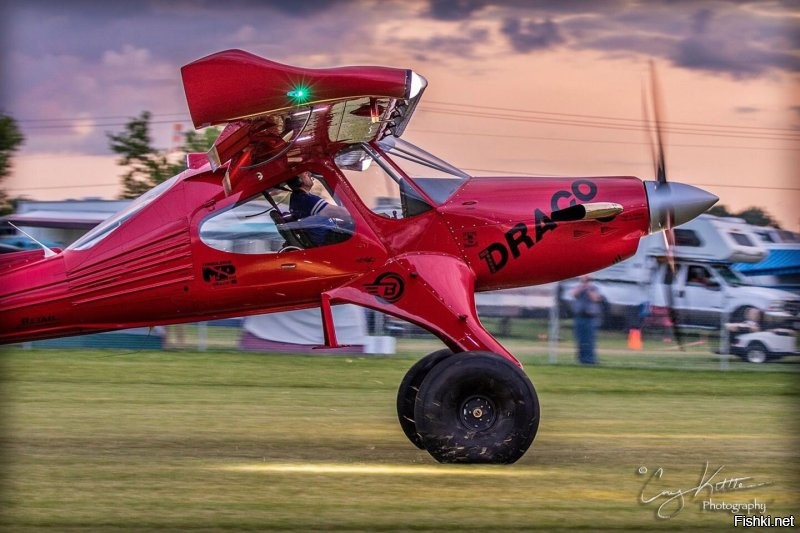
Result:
x=100 y=232
x=438 y=178
x=379 y=185
x=268 y=222
x=373 y=173
x=244 y=228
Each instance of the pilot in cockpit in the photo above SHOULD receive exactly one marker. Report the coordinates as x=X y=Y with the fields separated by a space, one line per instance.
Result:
x=304 y=204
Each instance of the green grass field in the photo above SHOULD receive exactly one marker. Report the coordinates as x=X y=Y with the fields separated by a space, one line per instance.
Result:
x=105 y=440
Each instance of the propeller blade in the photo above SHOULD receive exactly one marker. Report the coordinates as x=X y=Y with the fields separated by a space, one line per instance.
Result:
x=669 y=246
x=655 y=93
x=669 y=236
x=663 y=194
x=673 y=315
x=648 y=127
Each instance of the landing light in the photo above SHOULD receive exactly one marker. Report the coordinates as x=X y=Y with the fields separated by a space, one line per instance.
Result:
x=418 y=83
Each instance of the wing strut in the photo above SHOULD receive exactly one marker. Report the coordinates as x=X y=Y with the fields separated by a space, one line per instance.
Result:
x=328 y=328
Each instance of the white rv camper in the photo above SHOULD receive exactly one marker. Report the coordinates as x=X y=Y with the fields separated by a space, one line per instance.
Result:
x=705 y=291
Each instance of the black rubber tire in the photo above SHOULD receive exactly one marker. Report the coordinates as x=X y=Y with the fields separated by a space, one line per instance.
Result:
x=477 y=407
x=407 y=393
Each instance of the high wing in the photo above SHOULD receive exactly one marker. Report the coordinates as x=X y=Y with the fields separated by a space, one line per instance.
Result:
x=285 y=114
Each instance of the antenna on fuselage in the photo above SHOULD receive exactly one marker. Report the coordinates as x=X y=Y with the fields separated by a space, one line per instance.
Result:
x=47 y=251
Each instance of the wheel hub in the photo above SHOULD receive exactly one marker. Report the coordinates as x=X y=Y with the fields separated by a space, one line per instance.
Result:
x=756 y=355
x=478 y=413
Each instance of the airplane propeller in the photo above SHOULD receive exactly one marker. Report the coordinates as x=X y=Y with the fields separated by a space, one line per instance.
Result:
x=661 y=196
x=662 y=186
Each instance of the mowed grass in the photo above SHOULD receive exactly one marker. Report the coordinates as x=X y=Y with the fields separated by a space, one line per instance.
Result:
x=105 y=440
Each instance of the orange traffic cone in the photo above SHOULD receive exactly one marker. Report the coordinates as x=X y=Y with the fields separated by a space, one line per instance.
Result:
x=635 y=339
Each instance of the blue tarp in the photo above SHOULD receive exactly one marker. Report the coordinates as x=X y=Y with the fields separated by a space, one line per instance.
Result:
x=777 y=263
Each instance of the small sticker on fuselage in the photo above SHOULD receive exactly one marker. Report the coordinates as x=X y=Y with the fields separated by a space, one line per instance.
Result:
x=219 y=273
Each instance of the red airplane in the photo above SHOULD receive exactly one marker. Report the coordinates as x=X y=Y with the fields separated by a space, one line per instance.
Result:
x=310 y=198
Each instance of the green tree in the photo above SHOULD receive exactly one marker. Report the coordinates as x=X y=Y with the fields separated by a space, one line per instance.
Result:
x=10 y=141
x=752 y=215
x=758 y=217
x=149 y=166
x=720 y=210
x=200 y=142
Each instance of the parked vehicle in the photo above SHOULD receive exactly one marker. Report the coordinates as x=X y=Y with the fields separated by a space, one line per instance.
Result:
x=706 y=294
x=704 y=290
x=764 y=346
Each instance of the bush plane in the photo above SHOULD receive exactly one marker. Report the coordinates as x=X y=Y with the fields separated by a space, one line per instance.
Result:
x=399 y=231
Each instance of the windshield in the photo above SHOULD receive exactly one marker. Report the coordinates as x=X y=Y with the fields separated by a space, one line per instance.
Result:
x=438 y=178
x=105 y=228
x=730 y=277
x=379 y=185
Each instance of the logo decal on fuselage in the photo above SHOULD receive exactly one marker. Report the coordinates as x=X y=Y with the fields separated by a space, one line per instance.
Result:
x=520 y=238
x=219 y=273
x=387 y=287
x=34 y=321
x=470 y=239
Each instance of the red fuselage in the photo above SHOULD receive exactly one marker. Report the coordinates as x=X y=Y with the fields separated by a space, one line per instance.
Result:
x=154 y=269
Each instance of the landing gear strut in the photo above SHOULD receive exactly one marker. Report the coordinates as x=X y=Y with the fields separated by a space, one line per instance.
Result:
x=471 y=407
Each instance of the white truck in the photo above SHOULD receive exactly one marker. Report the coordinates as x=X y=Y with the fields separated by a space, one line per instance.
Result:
x=705 y=291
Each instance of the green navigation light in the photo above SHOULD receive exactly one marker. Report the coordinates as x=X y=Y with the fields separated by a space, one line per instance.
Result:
x=299 y=94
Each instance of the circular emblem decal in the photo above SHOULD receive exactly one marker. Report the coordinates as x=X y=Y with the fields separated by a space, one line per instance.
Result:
x=387 y=287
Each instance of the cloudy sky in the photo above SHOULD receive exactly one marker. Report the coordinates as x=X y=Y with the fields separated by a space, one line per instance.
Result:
x=516 y=86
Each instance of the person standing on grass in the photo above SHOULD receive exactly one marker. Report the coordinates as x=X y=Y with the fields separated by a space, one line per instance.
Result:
x=587 y=309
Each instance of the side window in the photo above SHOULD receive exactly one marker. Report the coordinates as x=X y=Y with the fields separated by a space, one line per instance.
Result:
x=266 y=223
x=699 y=275
x=245 y=228
x=377 y=184
x=687 y=237
x=741 y=238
